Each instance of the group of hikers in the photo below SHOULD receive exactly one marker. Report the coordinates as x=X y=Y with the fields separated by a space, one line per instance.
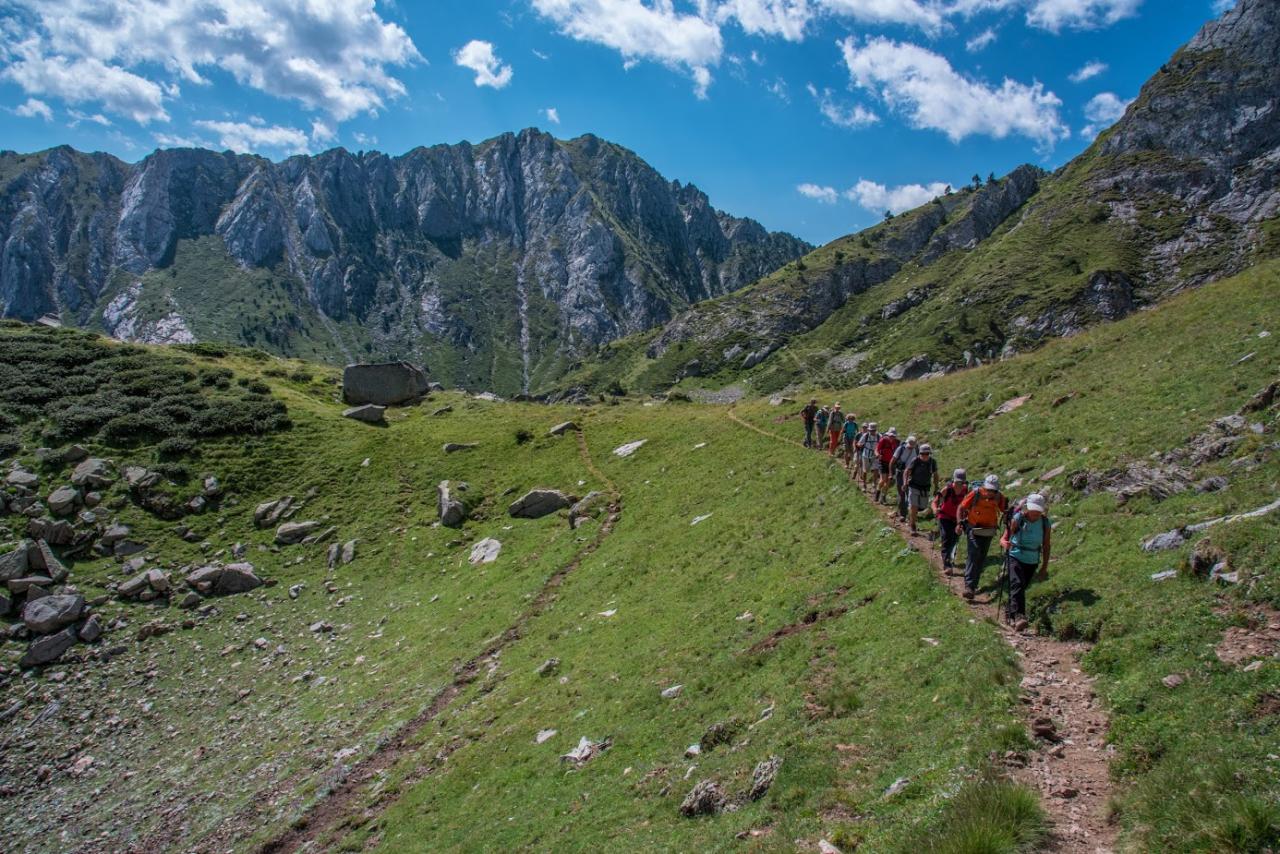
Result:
x=978 y=512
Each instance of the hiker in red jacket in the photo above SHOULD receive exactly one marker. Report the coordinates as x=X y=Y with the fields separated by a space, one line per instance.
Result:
x=946 y=506
x=885 y=449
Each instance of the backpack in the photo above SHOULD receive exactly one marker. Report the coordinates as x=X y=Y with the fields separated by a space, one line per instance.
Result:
x=984 y=510
x=920 y=472
x=1006 y=539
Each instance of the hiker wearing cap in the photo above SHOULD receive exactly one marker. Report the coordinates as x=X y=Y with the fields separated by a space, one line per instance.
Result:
x=922 y=481
x=835 y=426
x=865 y=447
x=823 y=417
x=885 y=449
x=946 y=506
x=979 y=517
x=847 y=436
x=904 y=456
x=809 y=414
x=1029 y=534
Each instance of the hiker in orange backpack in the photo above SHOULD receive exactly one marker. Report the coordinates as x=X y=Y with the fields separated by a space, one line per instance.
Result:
x=979 y=519
x=1027 y=539
x=835 y=427
x=885 y=450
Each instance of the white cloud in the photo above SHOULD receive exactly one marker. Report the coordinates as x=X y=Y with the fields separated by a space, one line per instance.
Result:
x=34 y=107
x=552 y=114
x=778 y=89
x=931 y=94
x=478 y=56
x=856 y=116
x=980 y=41
x=168 y=140
x=926 y=15
x=1054 y=15
x=785 y=18
x=129 y=56
x=250 y=137
x=826 y=195
x=642 y=32
x=1088 y=71
x=878 y=198
x=364 y=140
x=540 y=54
x=97 y=118
x=1102 y=111
x=322 y=131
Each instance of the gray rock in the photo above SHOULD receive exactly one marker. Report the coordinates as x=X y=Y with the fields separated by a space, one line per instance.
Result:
x=673 y=692
x=332 y=555
x=125 y=548
x=1164 y=542
x=705 y=798
x=48 y=649
x=587 y=507
x=22 y=585
x=1217 y=483
x=6 y=604
x=913 y=368
x=488 y=397
x=349 y=551
x=22 y=478
x=368 y=413
x=453 y=510
x=485 y=551
x=114 y=534
x=562 y=428
x=211 y=487
x=62 y=501
x=93 y=473
x=16 y=563
x=454 y=447
x=133 y=587
x=540 y=502
x=763 y=776
x=74 y=454
x=548 y=667
x=196 y=505
x=292 y=533
x=139 y=478
x=270 y=512
x=190 y=600
x=91 y=629
x=42 y=557
x=52 y=612
x=384 y=384
x=224 y=580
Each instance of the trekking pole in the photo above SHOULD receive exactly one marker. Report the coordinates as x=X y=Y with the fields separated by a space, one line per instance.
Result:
x=1002 y=590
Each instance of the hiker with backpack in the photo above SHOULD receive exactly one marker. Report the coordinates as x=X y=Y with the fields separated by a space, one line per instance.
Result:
x=885 y=449
x=904 y=456
x=809 y=414
x=979 y=520
x=835 y=427
x=946 y=506
x=822 y=418
x=847 y=436
x=865 y=447
x=1027 y=540
x=922 y=480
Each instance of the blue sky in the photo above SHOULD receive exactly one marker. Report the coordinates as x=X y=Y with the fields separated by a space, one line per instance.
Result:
x=813 y=116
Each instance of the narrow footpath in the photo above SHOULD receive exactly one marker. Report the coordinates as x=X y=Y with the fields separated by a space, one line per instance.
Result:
x=1067 y=724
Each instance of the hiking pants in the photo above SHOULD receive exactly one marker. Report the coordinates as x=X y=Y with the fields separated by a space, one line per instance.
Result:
x=835 y=442
x=808 y=434
x=975 y=559
x=1020 y=575
x=947 y=527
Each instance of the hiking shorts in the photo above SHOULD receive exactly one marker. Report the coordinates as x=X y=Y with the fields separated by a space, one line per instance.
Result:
x=882 y=467
x=917 y=497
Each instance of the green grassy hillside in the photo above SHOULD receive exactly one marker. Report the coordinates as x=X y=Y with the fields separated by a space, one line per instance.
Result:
x=747 y=571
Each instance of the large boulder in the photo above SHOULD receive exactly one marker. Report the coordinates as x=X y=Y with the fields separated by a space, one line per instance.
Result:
x=93 y=473
x=42 y=557
x=50 y=613
x=292 y=533
x=49 y=648
x=15 y=564
x=540 y=502
x=562 y=428
x=369 y=413
x=384 y=384
x=224 y=580
x=62 y=501
x=449 y=499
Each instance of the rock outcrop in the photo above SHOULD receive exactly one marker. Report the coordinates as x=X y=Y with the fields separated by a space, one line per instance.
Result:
x=383 y=384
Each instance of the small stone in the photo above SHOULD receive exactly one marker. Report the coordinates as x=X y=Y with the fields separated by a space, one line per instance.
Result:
x=91 y=629
x=544 y=735
x=296 y=590
x=548 y=667
x=454 y=447
x=1164 y=542
x=485 y=551
x=706 y=798
x=896 y=786
x=672 y=692
x=1173 y=680
x=369 y=413
x=292 y=533
x=562 y=428
x=629 y=448
x=50 y=648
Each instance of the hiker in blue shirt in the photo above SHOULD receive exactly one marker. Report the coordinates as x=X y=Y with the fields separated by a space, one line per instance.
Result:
x=1029 y=534
x=850 y=433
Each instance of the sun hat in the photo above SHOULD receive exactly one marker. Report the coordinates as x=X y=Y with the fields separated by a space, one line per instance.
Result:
x=926 y=448
x=1037 y=506
x=893 y=431
x=960 y=475
x=871 y=425
x=991 y=481
x=911 y=440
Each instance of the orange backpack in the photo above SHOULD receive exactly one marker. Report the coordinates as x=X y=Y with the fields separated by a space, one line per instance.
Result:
x=984 y=510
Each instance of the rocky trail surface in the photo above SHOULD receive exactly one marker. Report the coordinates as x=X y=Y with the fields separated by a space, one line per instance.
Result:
x=348 y=803
x=1069 y=765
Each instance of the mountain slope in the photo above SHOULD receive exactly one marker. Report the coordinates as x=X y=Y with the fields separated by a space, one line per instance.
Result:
x=1181 y=191
x=495 y=263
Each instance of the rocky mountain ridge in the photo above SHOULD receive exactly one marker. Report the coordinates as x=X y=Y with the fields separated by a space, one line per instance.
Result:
x=513 y=255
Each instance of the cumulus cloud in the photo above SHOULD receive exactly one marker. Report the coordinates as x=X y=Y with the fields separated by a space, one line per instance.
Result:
x=170 y=140
x=34 y=107
x=826 y=195
x=981 y=41
x=856 y=116
x=552 y=114
x=479 y=56
x=924 y=87
x=640 y=31
x=1102 y=111
x=364 y=140
x=1055 y=15
x=130 y=56
x=784 y=18
x=250 y=137
x=878 y=198
x=1088 y=71
x=912 y=13
x=97 y=118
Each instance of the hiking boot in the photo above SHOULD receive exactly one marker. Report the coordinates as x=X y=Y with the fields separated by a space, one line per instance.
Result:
x=968 y=594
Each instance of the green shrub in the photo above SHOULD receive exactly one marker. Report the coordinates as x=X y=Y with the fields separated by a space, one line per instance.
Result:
x=9 y=445
x=205 y=349
x=987 y=816
x=523 y=436
x=177 y=446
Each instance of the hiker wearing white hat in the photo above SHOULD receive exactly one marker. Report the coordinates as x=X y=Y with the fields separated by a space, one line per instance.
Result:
x=979 y=518
x=1030 y=530
x=865 y=447
x=904 y=456
x=921 y=478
